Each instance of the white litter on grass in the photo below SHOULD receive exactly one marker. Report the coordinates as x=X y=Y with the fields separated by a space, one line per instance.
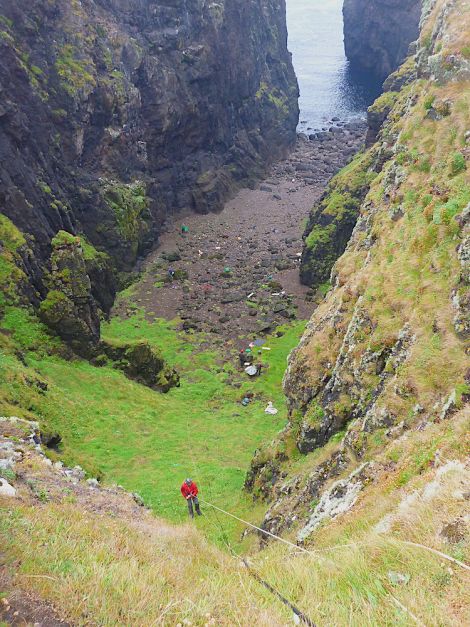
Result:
x=270 y=409
x=265 y=348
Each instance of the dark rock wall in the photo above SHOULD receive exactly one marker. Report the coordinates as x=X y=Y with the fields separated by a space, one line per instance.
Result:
x=114 y=113
x=377 y=33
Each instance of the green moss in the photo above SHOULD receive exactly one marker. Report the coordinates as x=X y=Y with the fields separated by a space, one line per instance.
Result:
x=384 y=102
x=90 y=253
x=429 y=101
x=45 y=188
x=53 y=305
x=273 y=96
x=314 y=415
x=128 y=204
x=457 y=163
x=6 y=21
x=332 y=219
x=11 y=275
x=63 y=238
x=75 y=73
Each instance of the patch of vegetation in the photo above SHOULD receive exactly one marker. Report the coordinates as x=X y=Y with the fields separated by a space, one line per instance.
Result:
x=333 y=218
x=384 y=103
x=74 y=72
x=274 y=96
x=63 y=238
x=12 y=276
x=457 y=163
x=128 y=204
x=142 y=439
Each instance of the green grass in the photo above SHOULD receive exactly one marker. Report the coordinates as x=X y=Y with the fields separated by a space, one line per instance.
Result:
x=146 y=441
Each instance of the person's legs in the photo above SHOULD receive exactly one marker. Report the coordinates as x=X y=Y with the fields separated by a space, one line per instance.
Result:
x=190 y=507
x=196 y=503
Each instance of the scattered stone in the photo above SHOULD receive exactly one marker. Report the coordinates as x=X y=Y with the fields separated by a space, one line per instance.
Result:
x=138 y=499
x=6 y=489
x=398 y=579
x=454 y=532
x=449 y=407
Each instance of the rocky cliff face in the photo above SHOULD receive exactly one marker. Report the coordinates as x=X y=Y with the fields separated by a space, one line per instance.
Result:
x=386 y=353
x=114 y=113
x=377 y=33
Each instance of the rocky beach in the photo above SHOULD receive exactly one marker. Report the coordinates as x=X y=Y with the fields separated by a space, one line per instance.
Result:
x=236 y=273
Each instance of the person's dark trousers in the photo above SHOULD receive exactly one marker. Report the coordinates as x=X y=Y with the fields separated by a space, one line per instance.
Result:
x=194 y=500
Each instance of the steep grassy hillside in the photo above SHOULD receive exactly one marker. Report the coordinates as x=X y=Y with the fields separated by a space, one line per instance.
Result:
x=124 y=432
x=370 y=476
x=379 y=386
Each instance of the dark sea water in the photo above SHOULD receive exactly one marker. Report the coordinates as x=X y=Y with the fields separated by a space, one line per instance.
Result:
x=327 y=87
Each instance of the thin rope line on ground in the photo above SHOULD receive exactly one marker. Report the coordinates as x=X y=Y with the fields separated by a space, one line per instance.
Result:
x=444 y=555
x=315 y=552
x=268 y=533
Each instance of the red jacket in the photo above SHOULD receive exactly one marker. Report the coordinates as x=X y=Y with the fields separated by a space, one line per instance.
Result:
x=189 y=490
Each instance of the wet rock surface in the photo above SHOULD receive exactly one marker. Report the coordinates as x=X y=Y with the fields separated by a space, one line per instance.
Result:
x=236 y=272
x=115 y=114
x=377 y=33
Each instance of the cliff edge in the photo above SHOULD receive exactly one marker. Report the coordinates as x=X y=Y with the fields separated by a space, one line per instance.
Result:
x=377 y=33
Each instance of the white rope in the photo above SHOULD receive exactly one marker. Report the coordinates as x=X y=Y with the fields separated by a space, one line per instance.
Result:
x=338 y=546
x=444 y=555
x=268 y=533
x=406 y=610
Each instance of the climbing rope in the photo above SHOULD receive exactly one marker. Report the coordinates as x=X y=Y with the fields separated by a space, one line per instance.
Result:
x=302 y=617
x=268 y=533
x=298 y=613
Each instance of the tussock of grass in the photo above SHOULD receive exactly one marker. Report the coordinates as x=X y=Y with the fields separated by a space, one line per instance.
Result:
x=111 y=572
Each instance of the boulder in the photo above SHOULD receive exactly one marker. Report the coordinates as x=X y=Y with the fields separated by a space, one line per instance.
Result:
x=6 y=489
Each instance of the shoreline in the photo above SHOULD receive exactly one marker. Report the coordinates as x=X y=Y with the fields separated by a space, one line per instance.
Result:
x=236 y=272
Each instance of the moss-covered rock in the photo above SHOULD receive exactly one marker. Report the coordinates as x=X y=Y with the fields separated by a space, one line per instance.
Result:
x=332 y=220
x=143 y=363
x=69 y=308
x=18 y=267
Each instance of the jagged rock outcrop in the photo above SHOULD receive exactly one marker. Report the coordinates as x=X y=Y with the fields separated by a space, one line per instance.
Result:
x=386 y=351
x=69 y=308
x=143 y=363
x=377 y=33
x=114 y=114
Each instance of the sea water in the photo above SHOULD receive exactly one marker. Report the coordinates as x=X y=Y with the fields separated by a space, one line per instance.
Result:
x=328 y=88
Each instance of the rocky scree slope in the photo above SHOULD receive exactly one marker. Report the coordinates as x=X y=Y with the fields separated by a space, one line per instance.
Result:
x=385 y=355
x=114 y=114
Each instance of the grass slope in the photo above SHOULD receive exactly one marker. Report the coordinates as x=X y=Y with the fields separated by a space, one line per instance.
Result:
x=146 y=441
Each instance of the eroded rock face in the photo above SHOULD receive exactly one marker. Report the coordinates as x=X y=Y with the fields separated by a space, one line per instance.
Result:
x=377 y=33
x=114 y=113
x=69 y=308
x=362 y=376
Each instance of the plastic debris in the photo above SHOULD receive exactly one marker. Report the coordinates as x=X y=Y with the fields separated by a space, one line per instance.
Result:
x=270 y=409
x=251 y=371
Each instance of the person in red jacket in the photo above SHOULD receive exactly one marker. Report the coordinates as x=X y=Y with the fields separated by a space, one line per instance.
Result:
x=189 y=491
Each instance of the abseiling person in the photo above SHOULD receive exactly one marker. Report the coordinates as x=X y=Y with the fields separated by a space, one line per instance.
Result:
x=190 y=490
